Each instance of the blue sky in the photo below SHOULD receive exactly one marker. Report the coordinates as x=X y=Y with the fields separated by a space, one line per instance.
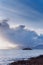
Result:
x=27 y=14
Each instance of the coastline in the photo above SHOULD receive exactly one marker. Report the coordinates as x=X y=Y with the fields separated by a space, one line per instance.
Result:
x=31 y=61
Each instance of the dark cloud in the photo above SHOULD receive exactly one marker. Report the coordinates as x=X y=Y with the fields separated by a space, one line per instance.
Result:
x=20 y=35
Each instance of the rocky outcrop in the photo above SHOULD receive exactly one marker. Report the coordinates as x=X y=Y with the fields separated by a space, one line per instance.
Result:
x=27 y=49
x=33 y=61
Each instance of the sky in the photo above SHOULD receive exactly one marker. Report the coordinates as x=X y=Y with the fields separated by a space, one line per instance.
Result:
x=21 y=18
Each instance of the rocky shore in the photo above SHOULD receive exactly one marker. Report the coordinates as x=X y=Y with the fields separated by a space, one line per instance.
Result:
x=32 y=61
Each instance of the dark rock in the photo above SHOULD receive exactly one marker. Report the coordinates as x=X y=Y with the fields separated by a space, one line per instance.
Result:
x=32 y=61
x=27 y=49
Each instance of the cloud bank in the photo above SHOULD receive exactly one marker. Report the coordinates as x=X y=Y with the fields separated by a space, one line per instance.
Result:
x=19 y=35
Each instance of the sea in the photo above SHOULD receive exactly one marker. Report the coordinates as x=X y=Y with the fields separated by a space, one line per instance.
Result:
x=9 y=56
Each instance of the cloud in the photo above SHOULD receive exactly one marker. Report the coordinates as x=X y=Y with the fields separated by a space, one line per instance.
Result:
x=19 y=36
x=23 y=12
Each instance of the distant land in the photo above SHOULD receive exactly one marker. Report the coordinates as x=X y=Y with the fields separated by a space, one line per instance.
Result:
x=38 y=47
x=26 y=49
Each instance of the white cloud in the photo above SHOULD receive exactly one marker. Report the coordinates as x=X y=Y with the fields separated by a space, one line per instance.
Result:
x=20 y=36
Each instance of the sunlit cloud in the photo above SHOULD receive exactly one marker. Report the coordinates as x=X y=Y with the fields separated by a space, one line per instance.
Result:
x=21 y=23
x=4 y=44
